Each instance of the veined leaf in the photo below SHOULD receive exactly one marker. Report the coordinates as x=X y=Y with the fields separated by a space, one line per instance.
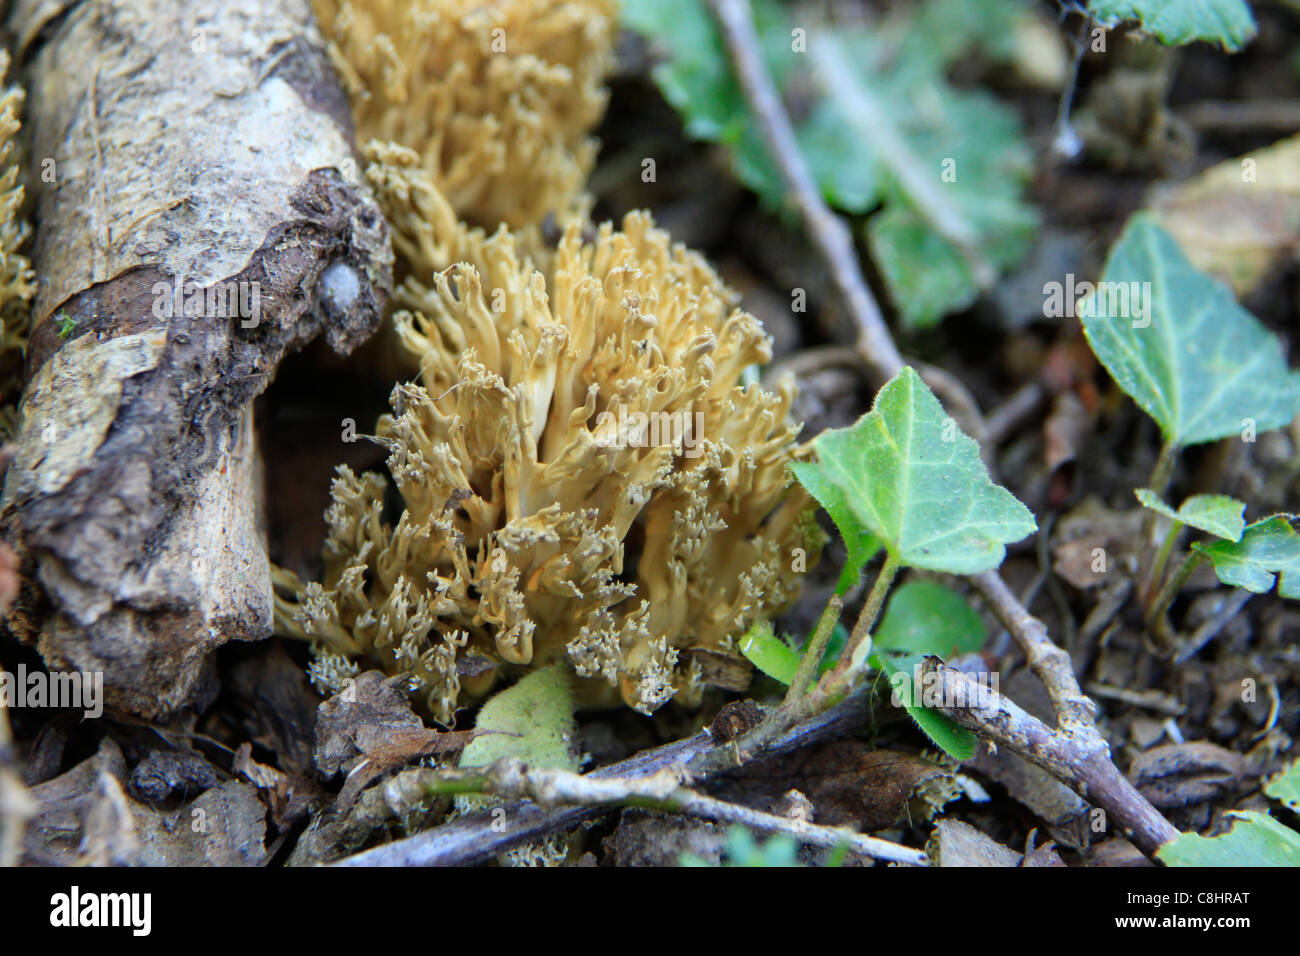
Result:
x=1256 y=839
x=913 y=479
x=534 y=720
x=952 y=166
x=923 y=618
x=773 y=656
x=1268 y=549
x=1175 y=22
x=860 y=543
x=949 y=166
x=1219 y=515
x=1179 y=344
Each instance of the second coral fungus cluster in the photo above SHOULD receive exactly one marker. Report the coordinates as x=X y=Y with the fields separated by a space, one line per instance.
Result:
x=498 y=99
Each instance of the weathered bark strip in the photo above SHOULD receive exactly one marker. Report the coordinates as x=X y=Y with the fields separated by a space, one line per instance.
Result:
x=197 y=147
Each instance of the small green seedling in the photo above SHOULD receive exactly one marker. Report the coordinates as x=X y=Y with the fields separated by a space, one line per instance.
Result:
x=66 y=324
x=905 y=479
x=1205 y=369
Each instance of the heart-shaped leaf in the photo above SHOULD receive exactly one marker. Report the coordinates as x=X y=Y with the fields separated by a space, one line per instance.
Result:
x=1267 y=549
x=1179 y=344
x=910 y=476
x=1219 y=515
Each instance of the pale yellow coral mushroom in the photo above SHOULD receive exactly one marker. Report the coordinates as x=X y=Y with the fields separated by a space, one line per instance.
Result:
x=498 y=99
x=584 y=478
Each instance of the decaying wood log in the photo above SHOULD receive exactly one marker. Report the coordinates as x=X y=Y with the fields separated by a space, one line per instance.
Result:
x=199 y=215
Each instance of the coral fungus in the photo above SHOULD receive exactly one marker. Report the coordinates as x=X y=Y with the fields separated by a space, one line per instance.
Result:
x=498 y=99
x=583 y=475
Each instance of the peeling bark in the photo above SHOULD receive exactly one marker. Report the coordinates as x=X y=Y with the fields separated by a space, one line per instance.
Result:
x=205 y=218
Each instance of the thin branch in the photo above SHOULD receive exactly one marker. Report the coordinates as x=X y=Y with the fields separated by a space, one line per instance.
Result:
x=478 y=837
x=1075 y=752
x=662 y=791
x=827 y=231
x=1080 y=760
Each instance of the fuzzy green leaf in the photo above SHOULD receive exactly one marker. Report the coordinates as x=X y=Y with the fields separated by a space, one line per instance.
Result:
x=913 y=479
x=533 y=720
x=773 y=656
x=1219 y=515
x=1179 y=344
x=1175 y=22
x=1267 y=549
x=1256 y=839
x=860 y=543
x=923 y=618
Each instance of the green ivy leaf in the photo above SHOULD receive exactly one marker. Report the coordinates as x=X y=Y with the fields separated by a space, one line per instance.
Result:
x=952 y=179
x=773 y=656
x=924 y=618
x=1256 y=839
x=860 y=543
x=533 y=720
x=1197 y=362
x=914 y=480
x=1219 y=515
x=1175 y=22
x=1267 y=549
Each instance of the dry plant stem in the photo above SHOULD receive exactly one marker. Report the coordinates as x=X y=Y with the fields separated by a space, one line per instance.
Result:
x=1078 y=758
x=1011 y=414
x=478 y=837
x=816 y=649
x=827 y=231
x=662 y=791
x=1211 y=628
x=1074 y=752
x=1049 y=663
